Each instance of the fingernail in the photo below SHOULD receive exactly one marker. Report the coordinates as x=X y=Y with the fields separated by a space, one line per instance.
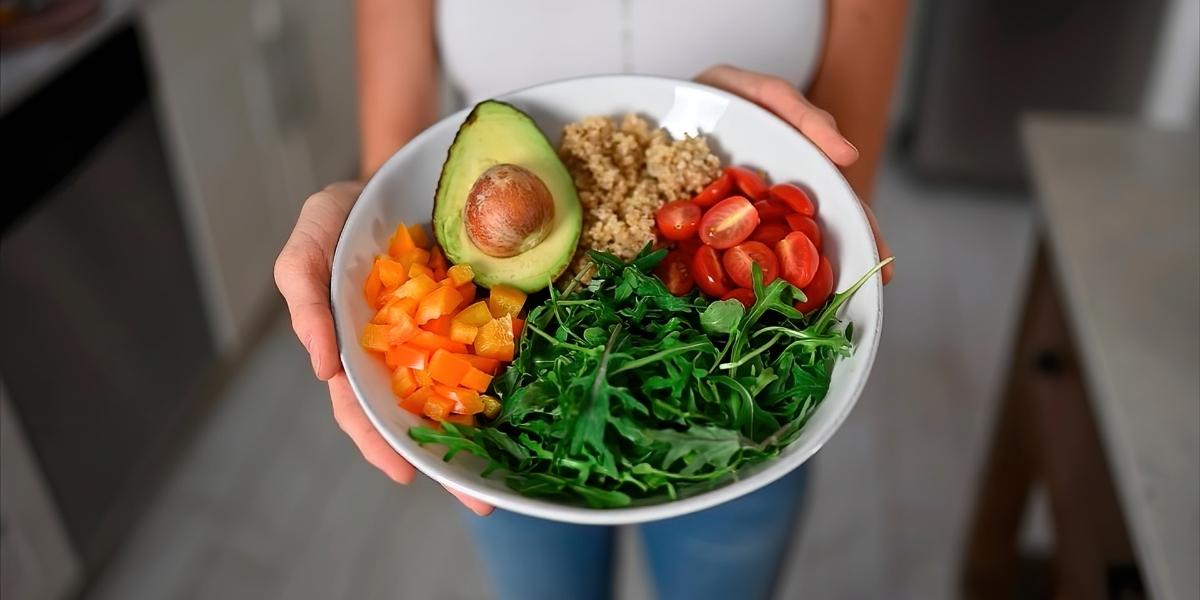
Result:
x=852 y=146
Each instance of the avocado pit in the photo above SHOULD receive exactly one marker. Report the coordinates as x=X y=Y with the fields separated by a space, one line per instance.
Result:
x=508 y=211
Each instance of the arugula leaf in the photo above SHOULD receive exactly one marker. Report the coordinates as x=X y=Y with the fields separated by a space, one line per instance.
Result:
x=621 y=390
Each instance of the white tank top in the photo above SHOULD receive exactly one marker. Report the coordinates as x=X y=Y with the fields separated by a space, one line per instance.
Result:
x=487 y=48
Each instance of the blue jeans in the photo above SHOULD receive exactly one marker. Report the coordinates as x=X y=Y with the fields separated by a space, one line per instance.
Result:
x=733 y=550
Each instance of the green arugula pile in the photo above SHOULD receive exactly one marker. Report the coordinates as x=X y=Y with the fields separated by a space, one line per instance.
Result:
x=621 y=390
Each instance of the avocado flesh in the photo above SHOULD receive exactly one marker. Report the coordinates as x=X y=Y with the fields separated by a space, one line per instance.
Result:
x=498 y=133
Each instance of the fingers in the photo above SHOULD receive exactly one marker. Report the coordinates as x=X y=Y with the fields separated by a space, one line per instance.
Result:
x=351 y=418
x=302 y=273
x=884 y=249
x=781 y=98
x=478 y=507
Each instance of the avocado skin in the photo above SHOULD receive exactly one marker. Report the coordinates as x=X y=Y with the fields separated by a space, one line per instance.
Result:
x=496 y=132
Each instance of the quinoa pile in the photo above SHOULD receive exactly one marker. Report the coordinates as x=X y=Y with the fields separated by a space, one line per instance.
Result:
x=624 y=172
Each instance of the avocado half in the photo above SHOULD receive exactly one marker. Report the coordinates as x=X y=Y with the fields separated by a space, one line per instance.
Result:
x=499 y=133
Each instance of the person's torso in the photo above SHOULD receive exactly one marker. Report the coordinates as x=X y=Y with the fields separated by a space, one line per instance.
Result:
x=488 y=48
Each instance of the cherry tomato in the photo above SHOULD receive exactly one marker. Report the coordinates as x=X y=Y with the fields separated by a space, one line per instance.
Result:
x=707 y=271
x=795 y=197
x=678 y=219
x=728 y=223
x=676 y=272
x=749 y=182
x=819 y=290
x=807 y=226
x=770 y=232
x=688 y=246
x=738 y=259
x=772 y=210
x=743 y=295
x=798 y=259
x=716 y=191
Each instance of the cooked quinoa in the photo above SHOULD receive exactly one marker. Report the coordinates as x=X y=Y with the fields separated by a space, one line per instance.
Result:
x=624 y=172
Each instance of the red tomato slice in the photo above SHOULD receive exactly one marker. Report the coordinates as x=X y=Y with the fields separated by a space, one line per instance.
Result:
x=795 y=197
x=749 y=182
x=807 y=226
x=676 y=272
x=707 y=271
x=770 y=232
x=716 y=191
x=798 y=259
x=728 y=223
x=678 y=219
x=743 y=295
x=819 y=290
x=769 y=210
x=738 y=259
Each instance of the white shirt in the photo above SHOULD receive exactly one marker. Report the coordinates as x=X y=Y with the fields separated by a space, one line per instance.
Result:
x=487 y=48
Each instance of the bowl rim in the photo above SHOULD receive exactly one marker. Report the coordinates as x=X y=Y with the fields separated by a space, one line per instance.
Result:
x=432 y=464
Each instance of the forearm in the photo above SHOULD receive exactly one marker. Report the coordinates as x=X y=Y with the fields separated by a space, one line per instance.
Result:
x=857 y=76
x=397 y=75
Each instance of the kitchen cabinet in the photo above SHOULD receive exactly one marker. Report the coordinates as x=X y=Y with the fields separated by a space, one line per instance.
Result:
x=257 y=101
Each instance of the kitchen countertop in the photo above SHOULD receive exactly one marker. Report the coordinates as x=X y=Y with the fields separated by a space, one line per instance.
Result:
x=1120 y=206
x=25 y=70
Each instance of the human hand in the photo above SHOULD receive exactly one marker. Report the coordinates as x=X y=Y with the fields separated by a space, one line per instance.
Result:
x=302 y=273
x=783 y=99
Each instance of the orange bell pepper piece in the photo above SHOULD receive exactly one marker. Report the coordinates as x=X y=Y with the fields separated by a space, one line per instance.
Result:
x=518 y=327
x=375 y=337
x=495 y=339
x=465 y=401
x=437 y=407
x=420 y=269
x=415 y=402
x=391 y=273
x=403 y=382
x=476 y=315
x=407 y=356
x=468 y=420
x=419 y=237
x=505 y=300
x=390 y=312
x=437 y=260
x=440 y=326
x=476 y=380
x=373 y=286
x=402 y=330
x=489 y=366
x=408 y=305
x=461 y=274
x=462 y=333
x=441 y=301
x=432 y=341
x=417 y=288
x=415 y=256
x=423 y=378
x=445 y=367
x=467 y=291
x=401 y=242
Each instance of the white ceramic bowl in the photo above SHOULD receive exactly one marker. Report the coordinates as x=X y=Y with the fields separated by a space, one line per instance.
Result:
x=742 y=134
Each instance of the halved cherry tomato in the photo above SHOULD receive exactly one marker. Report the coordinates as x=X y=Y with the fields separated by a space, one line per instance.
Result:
x=715 y=192
x=795 y=197
x=678 y=219
x=689 y=246
x=676 y=272
x=798 y=259
x=770 y=233
x=770 y=210
x=807 y=226
x=819 y=290
x=749 y=182
x=743 y=295
x=707 y=271
x=728 y=223
x=738 y=261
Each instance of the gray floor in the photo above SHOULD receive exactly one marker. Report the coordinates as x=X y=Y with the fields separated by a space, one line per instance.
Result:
x=272 y=501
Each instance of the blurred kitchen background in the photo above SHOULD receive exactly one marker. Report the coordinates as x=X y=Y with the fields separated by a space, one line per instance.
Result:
x=163 y=436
